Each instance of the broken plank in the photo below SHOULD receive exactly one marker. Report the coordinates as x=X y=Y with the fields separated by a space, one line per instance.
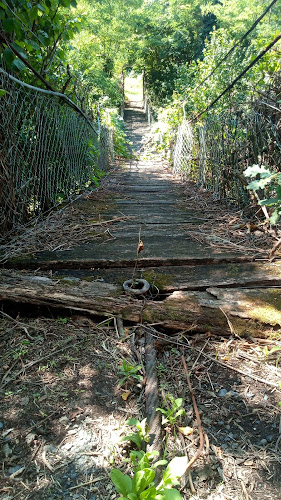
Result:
x=192 y=311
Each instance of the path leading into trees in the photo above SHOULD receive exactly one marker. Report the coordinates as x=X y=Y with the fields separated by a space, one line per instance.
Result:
x=143 y=196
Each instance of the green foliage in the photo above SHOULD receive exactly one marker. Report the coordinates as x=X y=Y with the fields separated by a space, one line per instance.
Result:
x=40 y=33
x=172 y=34
x=270 y=183
x=129 y=372
x=141 y=436
x=267 y=352
x=173 y=410
x=142 y=485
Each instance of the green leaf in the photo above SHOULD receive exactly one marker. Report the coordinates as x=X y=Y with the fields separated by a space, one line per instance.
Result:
x=160 y=462
x=41 y=7
x=3 y=92
x=18 y=46
x=178 y=402
x=122 y=482
x=259 y=184
x=33 y=13
x=19 y=64
x=132 y=421
x=255 y=170
x=8 y=56
x=142 y=480
x=268 y=202
x=65 y=3
x=8 y=24
x=175 y=470
x=34 y=45
x=149 y=494
x=134 y=438
x=172 y=494
x=275 y=217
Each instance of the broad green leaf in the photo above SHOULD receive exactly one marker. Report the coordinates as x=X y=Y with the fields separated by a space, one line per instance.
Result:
x=34 y=44
x=259 y=184
x=257 y=170
x=132 y=421
x=65 y=3
x=19 y=49
x=134 y=438
x=8 y=56
x=175 y=470
x=142 y=480
x=160 y=462
x=8 y=24
x=178 y=402
x=33 y=13
x=268 y=202
x=3 y=92
x=122 y=482
x=41 y=7
x=172 y=494
x=19 y=64
x=149 y=494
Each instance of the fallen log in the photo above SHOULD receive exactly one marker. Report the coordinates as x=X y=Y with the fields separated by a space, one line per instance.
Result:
x=212 y=312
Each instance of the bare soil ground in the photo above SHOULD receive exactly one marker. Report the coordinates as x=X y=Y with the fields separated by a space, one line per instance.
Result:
x=63 y=411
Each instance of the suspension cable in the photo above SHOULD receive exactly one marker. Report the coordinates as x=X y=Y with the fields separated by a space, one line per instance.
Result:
x=261 y=54
x=236 y=44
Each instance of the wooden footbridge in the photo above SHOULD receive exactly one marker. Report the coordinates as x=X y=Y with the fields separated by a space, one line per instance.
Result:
x=193 y=286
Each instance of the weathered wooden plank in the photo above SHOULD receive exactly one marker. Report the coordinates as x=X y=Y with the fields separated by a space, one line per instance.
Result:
x=192 y=311
x=199 y=277
x=73 y=259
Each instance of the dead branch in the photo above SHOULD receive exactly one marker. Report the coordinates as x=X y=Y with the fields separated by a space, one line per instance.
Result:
x=198 y=419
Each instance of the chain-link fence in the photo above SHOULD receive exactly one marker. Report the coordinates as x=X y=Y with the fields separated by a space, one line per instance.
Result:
x=216 y=153
x=49 y=151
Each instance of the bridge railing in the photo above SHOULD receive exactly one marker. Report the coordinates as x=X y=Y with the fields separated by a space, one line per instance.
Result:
x=49 y=151
x=216 y=151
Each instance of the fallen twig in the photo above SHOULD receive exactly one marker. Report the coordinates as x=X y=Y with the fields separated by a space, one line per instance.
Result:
x=198 y=419
x=274 y=249
x=81 y=485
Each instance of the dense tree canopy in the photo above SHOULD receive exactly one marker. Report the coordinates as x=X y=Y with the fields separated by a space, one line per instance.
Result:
x=82 y=49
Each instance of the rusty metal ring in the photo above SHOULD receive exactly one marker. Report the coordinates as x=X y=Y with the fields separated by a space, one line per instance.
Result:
x=127 y=286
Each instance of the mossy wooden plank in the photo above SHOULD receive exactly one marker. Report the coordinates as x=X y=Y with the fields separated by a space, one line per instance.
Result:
x=182 y=310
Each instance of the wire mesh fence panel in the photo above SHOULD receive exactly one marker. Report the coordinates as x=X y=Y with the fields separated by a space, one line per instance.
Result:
x=49 y=152
x=183 y=149
x=216 y=153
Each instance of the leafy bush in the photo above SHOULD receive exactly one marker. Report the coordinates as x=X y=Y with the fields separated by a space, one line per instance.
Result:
x=142 y=485
x=270 y=182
